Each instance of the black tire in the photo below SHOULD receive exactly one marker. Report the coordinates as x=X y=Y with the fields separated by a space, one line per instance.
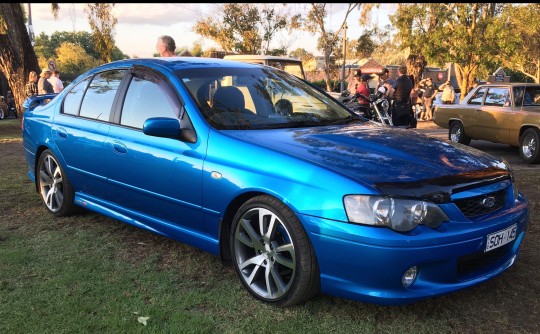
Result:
x=456 y=133
x=529 y=146
x=273 y=258
x=54 y=186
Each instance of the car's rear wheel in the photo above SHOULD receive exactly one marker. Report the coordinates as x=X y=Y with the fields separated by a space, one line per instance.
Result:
x=456 y=133
x=54 y=186
x=272 y=254
x=529 y=146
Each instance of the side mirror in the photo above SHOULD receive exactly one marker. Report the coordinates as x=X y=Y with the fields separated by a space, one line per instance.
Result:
x=168 y=128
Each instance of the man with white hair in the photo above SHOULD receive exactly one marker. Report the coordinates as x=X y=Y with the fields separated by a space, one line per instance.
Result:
x=165 y=46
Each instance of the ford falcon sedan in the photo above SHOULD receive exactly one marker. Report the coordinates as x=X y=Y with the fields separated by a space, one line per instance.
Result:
x=275 y=177
x=506 y=113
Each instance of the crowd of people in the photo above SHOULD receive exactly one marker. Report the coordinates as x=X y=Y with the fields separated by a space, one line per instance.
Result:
x=409 y=101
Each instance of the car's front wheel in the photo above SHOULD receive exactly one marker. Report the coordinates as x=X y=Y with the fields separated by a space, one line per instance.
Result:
x=456 y=133
x=529 y=146
x=272 y=254
x=54 y=186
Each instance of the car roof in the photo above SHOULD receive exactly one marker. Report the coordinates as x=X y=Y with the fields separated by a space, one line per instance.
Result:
x=512 y=84
x=175 y=63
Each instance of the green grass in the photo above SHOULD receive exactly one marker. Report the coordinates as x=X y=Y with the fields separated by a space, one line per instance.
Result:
x=91 y=274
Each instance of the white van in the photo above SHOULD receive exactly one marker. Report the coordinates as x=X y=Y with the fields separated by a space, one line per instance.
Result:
x=290 y=65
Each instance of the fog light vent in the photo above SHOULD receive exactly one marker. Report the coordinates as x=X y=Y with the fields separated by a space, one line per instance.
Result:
x=409 y=277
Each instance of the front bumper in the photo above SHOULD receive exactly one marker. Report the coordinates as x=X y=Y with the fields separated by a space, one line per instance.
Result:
x=367 y=263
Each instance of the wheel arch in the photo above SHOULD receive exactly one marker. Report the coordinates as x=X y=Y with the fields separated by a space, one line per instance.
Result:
x=227 y=220
x=226 y=223
x=526 y=127
x=39 y=151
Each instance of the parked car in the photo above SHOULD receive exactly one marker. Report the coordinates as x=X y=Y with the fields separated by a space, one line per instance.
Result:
x=260 y=168
x=291 y=65
x=506 y=113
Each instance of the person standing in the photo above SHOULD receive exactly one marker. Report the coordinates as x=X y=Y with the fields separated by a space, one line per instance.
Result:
x=31 y=86
x=448 y=93
x=362 y=89
x=401 y=115
x=55 y=81
x=430 y=90
x=43 y=85
x=353 y=84
x=166 y=46
x=388 y=84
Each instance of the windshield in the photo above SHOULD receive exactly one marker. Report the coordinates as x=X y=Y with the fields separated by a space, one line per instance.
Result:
x=260 y=98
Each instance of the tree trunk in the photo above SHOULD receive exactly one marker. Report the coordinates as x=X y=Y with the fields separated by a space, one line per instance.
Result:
x=17 y=57
x=415 y=67
x=465 y=78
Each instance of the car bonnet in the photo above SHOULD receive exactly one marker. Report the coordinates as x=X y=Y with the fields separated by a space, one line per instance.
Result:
x=389 y=159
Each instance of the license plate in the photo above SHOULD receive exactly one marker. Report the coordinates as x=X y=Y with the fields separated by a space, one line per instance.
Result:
x=500 y=238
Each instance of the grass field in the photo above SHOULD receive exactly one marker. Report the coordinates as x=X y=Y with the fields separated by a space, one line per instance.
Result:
x=91 y=274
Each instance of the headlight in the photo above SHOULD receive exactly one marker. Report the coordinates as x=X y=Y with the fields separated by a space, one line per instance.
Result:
x=398 y=214
x=514 y=184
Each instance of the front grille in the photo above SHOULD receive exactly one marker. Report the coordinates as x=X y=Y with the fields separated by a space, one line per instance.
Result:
x=478 y=205
x=469 y=264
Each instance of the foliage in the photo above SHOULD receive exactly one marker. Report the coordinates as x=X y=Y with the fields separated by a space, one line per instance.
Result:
x=449 y=32
x=85 y=54
x=301 y=54
x=72 y=61
x=242 y=27
x=328 y=41
x=46 y=46
x=518 y=32
x=236 y=30
x=102 y=23
x=197 y=49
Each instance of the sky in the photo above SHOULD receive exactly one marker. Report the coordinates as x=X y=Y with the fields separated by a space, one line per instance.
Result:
x=139 y=25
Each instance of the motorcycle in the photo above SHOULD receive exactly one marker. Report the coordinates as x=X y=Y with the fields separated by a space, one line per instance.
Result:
x=379 y=106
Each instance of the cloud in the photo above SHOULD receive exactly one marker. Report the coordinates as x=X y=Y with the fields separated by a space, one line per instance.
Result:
x=164 y=14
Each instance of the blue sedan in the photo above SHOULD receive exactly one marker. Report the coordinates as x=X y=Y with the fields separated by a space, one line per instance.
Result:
x=273 y=175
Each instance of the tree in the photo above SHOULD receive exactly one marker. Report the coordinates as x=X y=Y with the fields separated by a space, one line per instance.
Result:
x=72 y=60
x=518 y=29
x=449 y=32
x=102 y=23
x=236 y=30
x=243 y=28
x=328 y=41
x=46 y=49
x=17 y=58
x=273 y=21
x=46 y=46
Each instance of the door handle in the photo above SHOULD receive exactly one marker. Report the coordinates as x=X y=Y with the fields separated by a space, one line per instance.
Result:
x=61 y=133
x=119 y=147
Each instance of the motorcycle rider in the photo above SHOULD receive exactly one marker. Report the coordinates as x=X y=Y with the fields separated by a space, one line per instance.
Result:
x=362 y=89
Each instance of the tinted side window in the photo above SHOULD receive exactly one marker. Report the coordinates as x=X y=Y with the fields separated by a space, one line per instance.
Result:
x=532 y=96
x=72 y=102
x=98 y=100
x=146 y=99
x=478 y=97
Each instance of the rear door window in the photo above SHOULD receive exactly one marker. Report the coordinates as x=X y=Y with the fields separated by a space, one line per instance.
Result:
x=99 y=97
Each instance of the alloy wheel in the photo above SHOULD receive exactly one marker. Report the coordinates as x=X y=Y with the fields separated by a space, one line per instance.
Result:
x=265 y=254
